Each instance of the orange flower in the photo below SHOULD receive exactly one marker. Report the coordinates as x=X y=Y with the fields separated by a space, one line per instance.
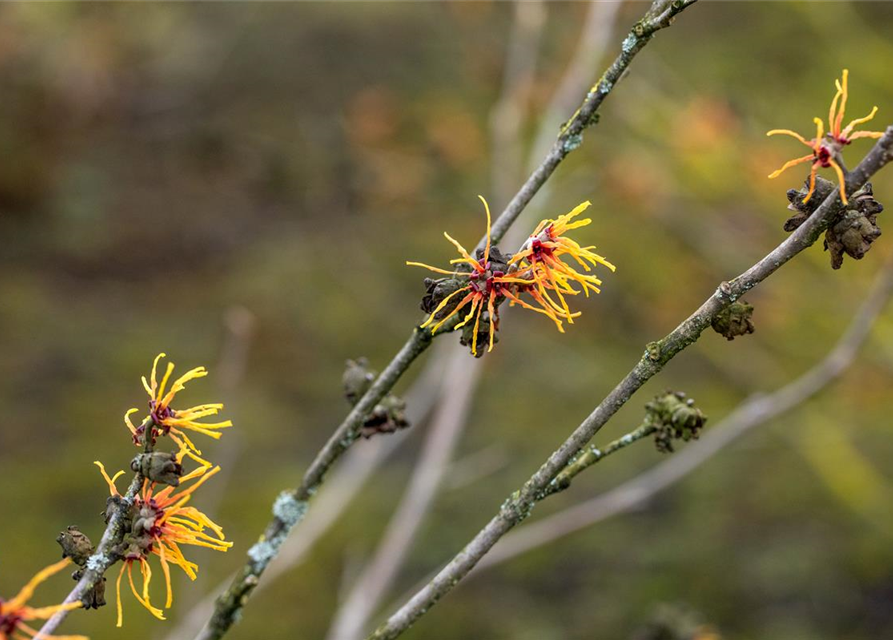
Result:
x=160 y=522
x=486 y=284
x=14 y=613
x=539 y=263
x=536 y=270
x=166 y=420
x=826 y=149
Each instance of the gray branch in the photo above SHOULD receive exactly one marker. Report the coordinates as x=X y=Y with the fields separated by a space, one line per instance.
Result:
x=753 y=412
x=365 y=593
x=105 y=555
x=517 y=507
x=291 y=506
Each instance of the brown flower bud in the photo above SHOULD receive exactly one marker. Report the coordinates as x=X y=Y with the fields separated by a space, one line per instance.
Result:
x=357 y=379
x=158 y=466
x=95 y=597
x=388 y=415
x=75 y=545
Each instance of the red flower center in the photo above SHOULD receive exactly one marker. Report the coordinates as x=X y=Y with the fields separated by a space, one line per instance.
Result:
x=489 y=280
x=8 y=622
x=539 y=249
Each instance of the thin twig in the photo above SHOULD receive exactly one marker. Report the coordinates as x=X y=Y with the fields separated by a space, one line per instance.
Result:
x=506 y=118
x=595 y=454
x=291 y=506
x=657 y=354
x=341 y=488
x=105 y=555
x=753 y=412
x=369 y=588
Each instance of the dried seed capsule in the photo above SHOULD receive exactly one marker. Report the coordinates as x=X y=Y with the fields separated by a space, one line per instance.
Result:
x=735 y=320
x=75 y=545
x=676 y=418
x=388 y=415
x=853 y=232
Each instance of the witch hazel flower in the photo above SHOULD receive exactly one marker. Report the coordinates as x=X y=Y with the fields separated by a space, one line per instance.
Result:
x=15 y=613
x=477 y=285
x=826 y=148
x=540 y=260
x=486 y=283
x=163 y=419
x=159 y=521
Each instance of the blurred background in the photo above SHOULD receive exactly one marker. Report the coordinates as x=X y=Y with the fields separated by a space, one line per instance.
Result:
x=239 y=185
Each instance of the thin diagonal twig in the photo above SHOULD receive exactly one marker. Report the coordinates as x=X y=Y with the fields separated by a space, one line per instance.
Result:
x=506 y=117
x=451 y=415
x=294 y=503
x=753 y=412
x=517 y=507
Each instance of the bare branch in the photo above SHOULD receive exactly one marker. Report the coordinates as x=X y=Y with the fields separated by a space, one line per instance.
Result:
x=451 y=416
x=754 y=412
x=657 y=354
x=341 y=488
x=105 y=555
x=230 y=604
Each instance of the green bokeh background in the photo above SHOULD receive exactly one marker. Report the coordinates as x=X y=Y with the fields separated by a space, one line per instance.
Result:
x=165 y=163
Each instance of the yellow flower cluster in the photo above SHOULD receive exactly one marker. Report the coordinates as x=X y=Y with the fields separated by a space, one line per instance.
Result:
x=164 y=522
x=165 y=420
x=537 y=271
x=161 y=519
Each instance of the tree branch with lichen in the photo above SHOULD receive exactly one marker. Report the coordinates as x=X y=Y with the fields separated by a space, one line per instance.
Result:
x=105 y=555
x=290 y=506
x=668 y=416
x=657 y=354
x=753 y=412
x=150 y=518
